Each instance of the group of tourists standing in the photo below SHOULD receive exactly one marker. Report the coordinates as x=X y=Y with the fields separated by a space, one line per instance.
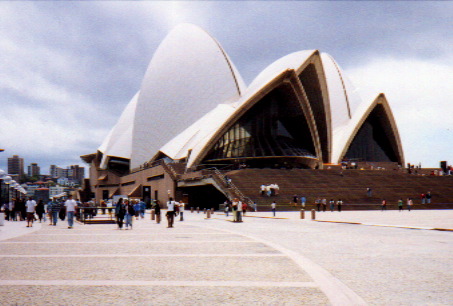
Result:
x=126 y=210
x=269 y=190
x=322 y=203
x=30 y=210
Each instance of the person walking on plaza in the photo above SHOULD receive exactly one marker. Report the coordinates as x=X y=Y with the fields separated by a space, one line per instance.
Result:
x=142 y=209
x=136 y=206
x=409 y=204
x=11 y=210
x=369 y=192
x=400 y=205
x=130 y=212
x=332 y=205
x=423 y=198
x=273 y=207
x=324 y=204
x=40 y=210
x=384 y=205
x=244 y=208
x=428 y=197
x=30 y=206
x=6 y=210
x=54 y=206
x=170 y=212
x=234 y=207
x=318 y=204
x=120 y=211
x=239 y=211
x=295 y=200
x=303 y=200
x=339 y=204
x=70 y=205
x=157 y=211
x=182 y=206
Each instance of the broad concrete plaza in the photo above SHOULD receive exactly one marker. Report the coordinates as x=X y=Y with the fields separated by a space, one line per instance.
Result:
x=390 y=258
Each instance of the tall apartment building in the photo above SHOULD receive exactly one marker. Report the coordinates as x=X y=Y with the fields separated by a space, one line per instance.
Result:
x=73 y=173
x=76 y=173
x=56 y=171
x=34 y=170
x=16 y=167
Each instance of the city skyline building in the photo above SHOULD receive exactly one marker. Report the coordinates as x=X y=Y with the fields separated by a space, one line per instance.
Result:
x=34 y=170
x=16 y=167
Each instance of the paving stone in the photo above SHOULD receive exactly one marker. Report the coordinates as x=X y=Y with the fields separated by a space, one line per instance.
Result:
x=275 y=269
x=138 y=295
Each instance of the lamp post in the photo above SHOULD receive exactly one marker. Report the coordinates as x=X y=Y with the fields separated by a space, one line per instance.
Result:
x=2 y=175
x=7 y=179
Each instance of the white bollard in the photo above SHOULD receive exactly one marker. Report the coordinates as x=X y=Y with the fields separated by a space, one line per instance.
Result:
x=2 y=218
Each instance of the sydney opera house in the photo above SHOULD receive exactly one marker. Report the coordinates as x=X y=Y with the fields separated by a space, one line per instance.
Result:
x=193 y=112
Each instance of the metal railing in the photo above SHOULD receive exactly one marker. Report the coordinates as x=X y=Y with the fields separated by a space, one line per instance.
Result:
x=223 y=182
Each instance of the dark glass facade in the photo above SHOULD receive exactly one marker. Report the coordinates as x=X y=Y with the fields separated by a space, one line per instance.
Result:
x=312 y=87
x=374 y=141
x=273 y=127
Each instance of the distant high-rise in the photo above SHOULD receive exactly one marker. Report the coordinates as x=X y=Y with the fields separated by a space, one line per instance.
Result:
x=76 y=173
x=34 y=170
x=16 y=167
x=56 y=171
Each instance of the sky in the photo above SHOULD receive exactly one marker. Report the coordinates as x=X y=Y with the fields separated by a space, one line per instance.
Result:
x=68 y=68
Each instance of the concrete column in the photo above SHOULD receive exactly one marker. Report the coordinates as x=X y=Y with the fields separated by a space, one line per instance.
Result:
x=302 y=214
x=153 y=214
x=209 y=214
x=2 y=218
x=313 y=214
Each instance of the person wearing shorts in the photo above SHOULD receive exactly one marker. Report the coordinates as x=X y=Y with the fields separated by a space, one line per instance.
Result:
x=30 y=206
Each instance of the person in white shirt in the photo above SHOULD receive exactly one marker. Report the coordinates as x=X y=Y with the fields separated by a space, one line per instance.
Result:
x=263 y=190
x=170 y=212
x=70 y=205
x=239 y=212
x=30 y=205
x=181 y=210
x=273 y=206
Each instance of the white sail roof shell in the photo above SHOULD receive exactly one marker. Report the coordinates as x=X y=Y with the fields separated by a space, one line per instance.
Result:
x=343 y=96
x=198 y=133
x=118 y=142
x=188 y=76
x=191 y=90
x=291 y=61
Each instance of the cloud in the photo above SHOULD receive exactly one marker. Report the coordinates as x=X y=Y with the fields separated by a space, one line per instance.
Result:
x=69 y=68
x=420 y=96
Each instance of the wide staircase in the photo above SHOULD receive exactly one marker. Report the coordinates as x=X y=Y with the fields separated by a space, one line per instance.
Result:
x=348 y=185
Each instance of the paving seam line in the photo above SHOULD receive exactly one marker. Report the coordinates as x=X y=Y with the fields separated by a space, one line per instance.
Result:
x=157 y=283
x=335 y=290
x=138 y=241
x=388 y=225
x=138 y=255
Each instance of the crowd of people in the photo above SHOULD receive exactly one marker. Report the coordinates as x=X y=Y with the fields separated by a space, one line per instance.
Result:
x=269 y=190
